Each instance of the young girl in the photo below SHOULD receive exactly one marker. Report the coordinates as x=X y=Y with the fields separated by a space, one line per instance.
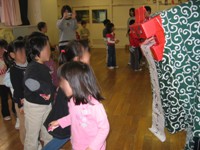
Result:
x=38 y=92
x=110 y=37
x=4 y=91
x=74 y=51
x=88 y=119
x=16 y=56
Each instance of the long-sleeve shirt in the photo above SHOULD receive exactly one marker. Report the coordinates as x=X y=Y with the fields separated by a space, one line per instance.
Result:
x=38 y=81
x=89 y=125
x=17 y=79
x=67 y=30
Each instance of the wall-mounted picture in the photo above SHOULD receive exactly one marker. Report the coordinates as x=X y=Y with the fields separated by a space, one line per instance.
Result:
x=82 y=15
x=98 y=16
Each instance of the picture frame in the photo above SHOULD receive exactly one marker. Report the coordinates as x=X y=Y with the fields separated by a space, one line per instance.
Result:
x=99 y=15
x=82 y=15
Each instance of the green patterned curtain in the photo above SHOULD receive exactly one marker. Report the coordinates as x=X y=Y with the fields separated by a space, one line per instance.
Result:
x=179 y=71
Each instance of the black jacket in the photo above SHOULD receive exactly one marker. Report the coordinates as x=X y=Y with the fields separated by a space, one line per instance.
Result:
x=17 y=79
x=38 y=81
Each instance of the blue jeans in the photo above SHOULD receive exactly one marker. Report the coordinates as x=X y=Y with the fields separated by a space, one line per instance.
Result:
x=55 y=144
x=111 y=56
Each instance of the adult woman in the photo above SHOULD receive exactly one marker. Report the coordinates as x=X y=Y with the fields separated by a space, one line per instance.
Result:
x=67 y=26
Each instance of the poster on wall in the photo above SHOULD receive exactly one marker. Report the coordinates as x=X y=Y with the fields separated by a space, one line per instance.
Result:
x=82 y=15
x=98 y=16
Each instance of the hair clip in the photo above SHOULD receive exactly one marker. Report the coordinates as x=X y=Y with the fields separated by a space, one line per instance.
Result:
x=62 y=51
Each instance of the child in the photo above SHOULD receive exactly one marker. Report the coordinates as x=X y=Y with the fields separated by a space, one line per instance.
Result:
x=38 y=92
x=148 y=13
x=4 y=91
x=131 y=17
x=74 y=51
x=42 y=27
x=110 y=38
x=88 y=119
x=105 y=22
x=134 y=50
x=84 y=32
x=132 y=20
x=16 y=55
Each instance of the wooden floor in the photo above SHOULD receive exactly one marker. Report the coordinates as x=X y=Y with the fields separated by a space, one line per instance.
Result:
x=128 y=104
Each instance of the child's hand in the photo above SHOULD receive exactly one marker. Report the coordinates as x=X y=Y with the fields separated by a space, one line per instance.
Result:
x=46 y=97
x=53 y=125
x=116 y=41
x=88 y=148
x=21 y=110
x=22 y=101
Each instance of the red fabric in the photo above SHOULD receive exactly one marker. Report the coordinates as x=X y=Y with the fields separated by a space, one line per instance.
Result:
x=133 y=41
x=112 y=38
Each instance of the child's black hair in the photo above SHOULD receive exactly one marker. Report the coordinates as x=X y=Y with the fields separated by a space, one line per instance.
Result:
x=3 y=44
x=83 y=22
x=82 y=80
x=106 y=21
x=13 y=47
x=109 y=27
x=133 y=10
x=41 y=25
x=73 y=49
x=35 y=43
x=64 y=8
x=130 y=23
x=148 y=8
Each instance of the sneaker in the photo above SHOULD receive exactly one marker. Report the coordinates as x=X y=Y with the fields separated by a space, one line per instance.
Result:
x=116 y=67
x=140 y=69
x=142 y=63
x=111 y=67
x=7 y=118
x=17 y=124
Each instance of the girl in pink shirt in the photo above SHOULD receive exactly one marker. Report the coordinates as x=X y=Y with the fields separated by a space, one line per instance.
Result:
x=88 y=119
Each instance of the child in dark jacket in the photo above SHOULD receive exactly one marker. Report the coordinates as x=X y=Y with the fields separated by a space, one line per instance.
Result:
x=38 y=91
x=16 y=55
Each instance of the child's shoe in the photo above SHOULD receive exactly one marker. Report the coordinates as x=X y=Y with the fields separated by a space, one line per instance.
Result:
x=17 y=124
x=7 y=118
x=140 y=69
x=111 y=67
x=116 y=67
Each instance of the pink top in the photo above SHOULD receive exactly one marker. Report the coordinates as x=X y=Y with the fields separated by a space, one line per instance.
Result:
x=89 y=125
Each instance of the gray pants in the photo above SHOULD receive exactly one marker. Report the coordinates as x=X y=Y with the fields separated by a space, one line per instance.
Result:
x=35 y=115
x=135 y=58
